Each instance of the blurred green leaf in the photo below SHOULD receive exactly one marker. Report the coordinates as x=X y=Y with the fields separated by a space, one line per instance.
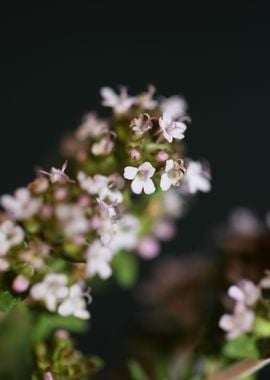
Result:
x=243 y=347
x=136 y=371
x=262 y=327
x=8 y=301
x=125 y=268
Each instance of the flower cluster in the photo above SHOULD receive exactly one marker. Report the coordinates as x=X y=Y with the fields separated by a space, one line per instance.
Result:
x=64 y=229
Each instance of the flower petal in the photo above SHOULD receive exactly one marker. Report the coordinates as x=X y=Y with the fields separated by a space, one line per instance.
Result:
x=130 y=172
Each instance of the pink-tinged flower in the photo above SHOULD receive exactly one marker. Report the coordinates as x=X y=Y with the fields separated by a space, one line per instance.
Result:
x=91 y=127
x=238 y=323
x=102 y=147
x=51 y=290
x=20 y=284
x=10 y=236
x=75 y=303
x=245 y=291
x=22 y=205
x=175 y=107
x=120 y=103
x=58 y=175
x=98 y=259
x=197 y=178
x=48 y=376
x=141 y=178
x=174 y=171
x=171 y=129
x=148 y=247
x=141 y=124
x=146 y=101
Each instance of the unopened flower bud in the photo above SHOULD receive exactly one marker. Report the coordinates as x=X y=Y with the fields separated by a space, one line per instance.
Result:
x=20 y=284
x=135 y=154
x=162 y=156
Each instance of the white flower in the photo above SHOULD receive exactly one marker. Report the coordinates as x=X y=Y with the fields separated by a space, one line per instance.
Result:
x=141 y=124
x=109 y=217
x=197 y=178
x=101 y=186
x=22 y=205
x=10 y=236
x=126 y=234
x=58 y=175
x=243 y=222
x=51 y=290
x=72 y=219
x=91 y=127
x=171 y=129
x=98 y=260
x=245 y=291
x=174 y=171
x=173 y=204
x=120 y=103
x=146 y=101
x=74 y=303
x=238 y=323
x=265 y=281
x=141 y=178
x=175 y=106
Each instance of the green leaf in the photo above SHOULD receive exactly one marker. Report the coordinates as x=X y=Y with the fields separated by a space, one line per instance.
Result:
x=136 y=371
x=240 y=370
x=243 y=347
x=8 y=301
x=50 y=322
x=125 y=268
x=262 y=327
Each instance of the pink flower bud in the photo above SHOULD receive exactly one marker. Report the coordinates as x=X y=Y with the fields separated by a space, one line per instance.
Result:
x=20 y=284
x=60 y=194
x=95 y=222
x=46 y=212
x=48 y=376
x=162 y=156
x=62 y=334
x=84 y=201
x=134 y=154
x=148 y=248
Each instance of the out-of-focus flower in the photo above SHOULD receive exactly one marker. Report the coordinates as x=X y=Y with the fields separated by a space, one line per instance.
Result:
x=48 y=376
x=175 y=106
x=20 y=284
x=243 y=222
x=91 y=127
x=265 y=281
x=141 y=178
x=162 y=156
x=197 y=178
x=101 y=186
x=74 y=303
x=22 y=205
x=245 y=291
x=72 y=219
x=126 y=234
x=102 y=147
x=148 y=247
x=120 y=103
x=98 y=259
x=141 y=124
x=35 y=254
x=238 y=323
x=10 y=236
x=58 y=175
x=174 y=171
x=4 y=264
x=171 y=129
x=146 y=101
x=51 y=290
x=164 y=230
x=173 y=204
